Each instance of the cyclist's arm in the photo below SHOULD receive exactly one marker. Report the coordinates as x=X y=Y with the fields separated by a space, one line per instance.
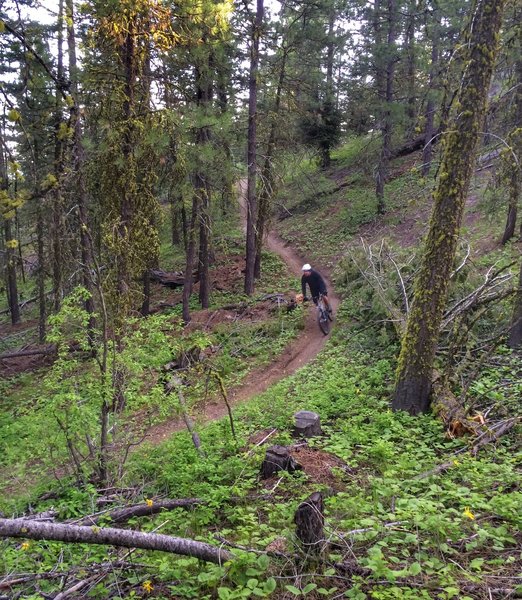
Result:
x=303 y=286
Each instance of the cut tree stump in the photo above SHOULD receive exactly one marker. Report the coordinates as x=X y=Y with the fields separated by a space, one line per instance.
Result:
x=278 y=458
x=309 y=520
x=307 y=424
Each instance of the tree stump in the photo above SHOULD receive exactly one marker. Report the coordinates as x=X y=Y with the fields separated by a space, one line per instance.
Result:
x=278 y=458
x=309 y=520
x=307 y=424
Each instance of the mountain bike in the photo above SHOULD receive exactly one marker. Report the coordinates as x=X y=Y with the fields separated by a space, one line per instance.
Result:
x=324 y=317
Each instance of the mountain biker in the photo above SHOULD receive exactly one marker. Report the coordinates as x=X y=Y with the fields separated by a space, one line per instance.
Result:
x=316 y=284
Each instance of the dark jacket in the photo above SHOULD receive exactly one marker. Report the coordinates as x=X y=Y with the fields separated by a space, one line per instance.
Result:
x=316 y=284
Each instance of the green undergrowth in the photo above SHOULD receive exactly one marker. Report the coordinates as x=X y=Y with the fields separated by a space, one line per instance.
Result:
x=40 y=413
x=405 y=533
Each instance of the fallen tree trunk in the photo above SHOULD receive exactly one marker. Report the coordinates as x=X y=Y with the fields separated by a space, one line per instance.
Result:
x=34 y=530
x=413 y=145
x=447 y=406
x=35 y=352
x=121 y=515
x=171 y=279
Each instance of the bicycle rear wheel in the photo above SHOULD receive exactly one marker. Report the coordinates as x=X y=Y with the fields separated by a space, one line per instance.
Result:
x=323 y=320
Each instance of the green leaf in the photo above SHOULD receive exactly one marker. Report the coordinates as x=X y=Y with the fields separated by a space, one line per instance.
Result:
x=293 y=590
x=476 y=564
x=252 y=583
x=270 y=585
x=415 y=568
x=263 y=561
x=224 y=593
x=308 y=588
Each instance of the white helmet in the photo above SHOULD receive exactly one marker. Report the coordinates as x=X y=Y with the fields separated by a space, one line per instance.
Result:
x=306 y=267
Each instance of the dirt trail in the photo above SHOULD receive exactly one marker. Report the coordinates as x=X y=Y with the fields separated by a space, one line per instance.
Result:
x=298 y=352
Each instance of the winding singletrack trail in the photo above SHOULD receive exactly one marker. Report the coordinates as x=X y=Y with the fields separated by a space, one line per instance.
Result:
x=297 y=353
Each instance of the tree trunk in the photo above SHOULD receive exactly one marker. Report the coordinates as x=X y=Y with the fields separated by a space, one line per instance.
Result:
x=78 y=167
x=175 y=236
x=12 y=285
x=204 y=91
x=386 y=115
x=38 y=530
x=419 y=343
x=42 y=304
x=58 y=234
x=329 y=99
x=251 y=153
x=515 y=334
x=10 y=253
x=191 y=254
x=429 y=129
x=514 y=163
x=267 y=189
x=410 y=68
x=184 y=226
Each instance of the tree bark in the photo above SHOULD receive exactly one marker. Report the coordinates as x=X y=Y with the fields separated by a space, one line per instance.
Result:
x=10 y=253
x=122 y=515
x=413 y=385
x=251 y=153
x=191 y=256
x=58 y=234
x=429 y=129
x=42 y=304
x=309 y=520
x=12 y=284
x=515 y=334
x=387 y=79
x=78 y=167
x=37 y=530
x=514 y=165
x=267 y=188
x=410 y=67
x=204 y=90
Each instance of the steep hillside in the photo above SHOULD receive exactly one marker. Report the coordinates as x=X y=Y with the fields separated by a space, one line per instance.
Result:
x=409 y=512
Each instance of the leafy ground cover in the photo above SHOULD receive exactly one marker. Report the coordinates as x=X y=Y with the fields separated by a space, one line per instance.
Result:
x=44 y=412
x=395 y=531
x=410 y=513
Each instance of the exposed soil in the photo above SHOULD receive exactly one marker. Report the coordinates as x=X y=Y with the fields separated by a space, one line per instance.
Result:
x=298 y=353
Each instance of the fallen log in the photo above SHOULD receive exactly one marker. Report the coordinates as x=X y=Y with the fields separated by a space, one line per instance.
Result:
x=121 y=515
x=171 y=279
x=493 y=433
x=413 y=145
x=51 y=349
x=59 y=532
x=447 y=406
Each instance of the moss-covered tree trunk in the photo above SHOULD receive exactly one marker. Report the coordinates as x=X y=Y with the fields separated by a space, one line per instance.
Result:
x=514 y=161
x=515 y=334
x=413 y=386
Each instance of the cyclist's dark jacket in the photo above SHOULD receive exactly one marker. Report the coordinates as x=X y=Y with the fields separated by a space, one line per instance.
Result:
x=316 y=284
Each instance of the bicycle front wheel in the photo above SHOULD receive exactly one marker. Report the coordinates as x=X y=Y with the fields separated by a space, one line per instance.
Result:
x=324 y=322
